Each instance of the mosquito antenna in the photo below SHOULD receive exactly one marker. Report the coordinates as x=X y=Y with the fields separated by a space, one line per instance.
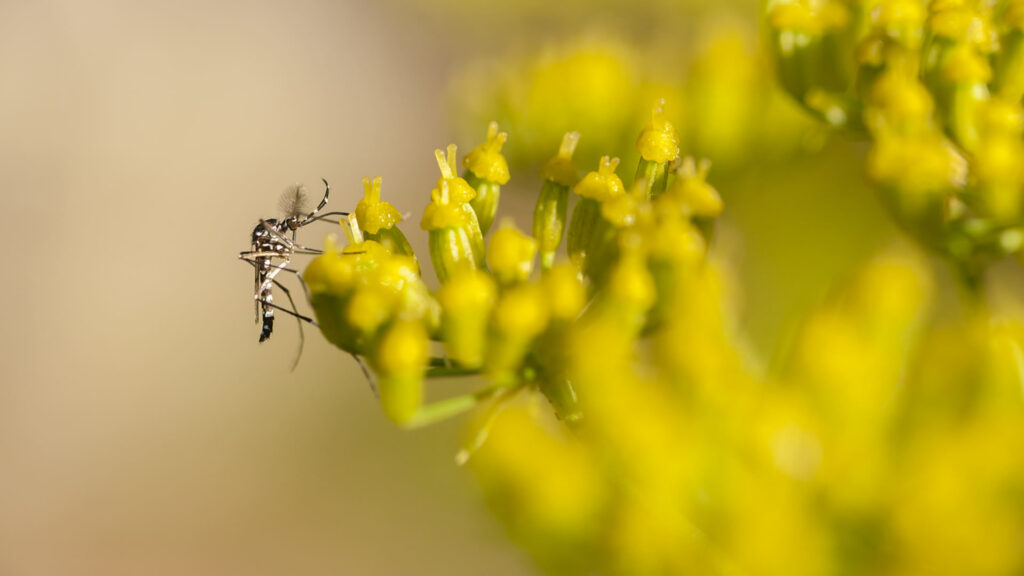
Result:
x=293 y=201
x=323 y=202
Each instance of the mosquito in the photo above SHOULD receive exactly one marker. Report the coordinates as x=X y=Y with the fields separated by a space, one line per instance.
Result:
x=273 y=246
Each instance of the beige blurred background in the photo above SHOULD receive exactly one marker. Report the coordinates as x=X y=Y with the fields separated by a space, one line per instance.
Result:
x=142 y=428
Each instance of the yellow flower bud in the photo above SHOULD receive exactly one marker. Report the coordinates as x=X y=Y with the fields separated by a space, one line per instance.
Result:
x=466 y=302
x=379 y=220
x=809 y=17
x=399 y=359
x=451 y=239
x=459 y=190
x=564 y=292
x=330 y=272
x=369 y=308
x=520 y=316
x=692 y=192
x=623 y=211
x=373 y=213
x=587 y=230
x=603 y=184
x=659 y=141
x=486 y=161
x=511 y=254
x=549 y=215
x=561 y=169
x=630 y=284
x=486 y=172
x=459 y=195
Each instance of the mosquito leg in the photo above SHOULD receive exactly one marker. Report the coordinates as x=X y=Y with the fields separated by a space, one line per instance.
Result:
x=278 y=235
x=293 y=247
x=273 y=272
x=254 y=255
x=327 y=215
x=368 y=375
x=289 y=312
x=298 y=319
x=298 y=275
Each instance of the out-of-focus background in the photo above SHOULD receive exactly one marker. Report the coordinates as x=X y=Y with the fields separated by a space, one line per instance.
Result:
x=142 y=428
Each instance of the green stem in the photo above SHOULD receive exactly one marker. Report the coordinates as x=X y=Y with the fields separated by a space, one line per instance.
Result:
x=490 y=417
x=443 y=409
x=971 y=276
x=449 y=371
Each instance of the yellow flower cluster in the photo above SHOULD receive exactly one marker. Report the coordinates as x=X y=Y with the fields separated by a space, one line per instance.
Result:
x=937 y=85
x=493 y=316
x=628 y=432
x=601 y=85
x=877 y=447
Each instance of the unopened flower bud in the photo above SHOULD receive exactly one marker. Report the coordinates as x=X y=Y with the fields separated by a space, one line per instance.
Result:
x=511 y=254
x=379 y=220
x=466 y=302
x=596 y=187
x=450 y=236
x=487 y=172
x=559 y=175
x=658 y=145
x=399 y=359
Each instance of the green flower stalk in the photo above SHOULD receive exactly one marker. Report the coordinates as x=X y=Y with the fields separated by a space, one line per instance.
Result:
x=999 y=171
x=487 y=172
x=811 y=38
x=1008 y=73
x=566 y=298
x=559 y=175
x=587 y=229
